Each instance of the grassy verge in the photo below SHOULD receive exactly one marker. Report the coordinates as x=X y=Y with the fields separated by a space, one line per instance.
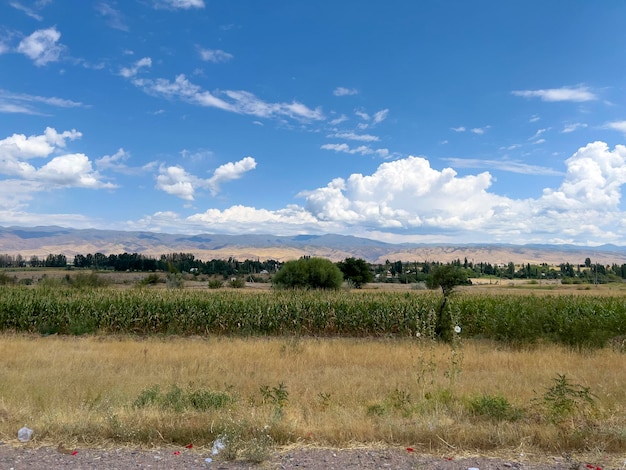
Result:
x=257 y=393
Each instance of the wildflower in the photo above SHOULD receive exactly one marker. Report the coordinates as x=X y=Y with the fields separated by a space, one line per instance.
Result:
x=189 y=446
x=409 y=449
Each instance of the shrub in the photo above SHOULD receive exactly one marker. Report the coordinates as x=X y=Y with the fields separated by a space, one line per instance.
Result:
x=495 y=407
x=565 y=399
x=82 y=281
x=215 y=284
x=150 y=279
x=6 y=279
x=237 y=283
x=174 y=281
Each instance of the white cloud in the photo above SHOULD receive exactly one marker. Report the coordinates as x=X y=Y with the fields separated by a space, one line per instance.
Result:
x=19 y=147
x=339 y=120
x=538 y=133
x=241 y=102
x=617 y=126
x=71 y=170
x=28 y=11
x=354 y=136
x=230 y=171
x=380 y=116
x=41 y=46
x=459 y=129
x=117 y=163
x=66 y=170
x=534 y=118
x=22 y=103
x=291 y=220
x=341 y=91
x=577 y=94
x=176 y=181
x=133 y=70
x=407 y=199
x=179 y=4
x=361 y=150
x=114 y=18
x=503 y=165
x=479 y=130
x=593 y=180
x=215 y=55
x=573 y=127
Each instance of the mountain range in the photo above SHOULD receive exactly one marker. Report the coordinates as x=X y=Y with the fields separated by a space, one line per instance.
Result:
x=41 y=241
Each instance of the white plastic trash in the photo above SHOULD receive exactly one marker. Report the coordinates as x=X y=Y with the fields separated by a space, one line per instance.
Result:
x=24 y=434
x=218 y=445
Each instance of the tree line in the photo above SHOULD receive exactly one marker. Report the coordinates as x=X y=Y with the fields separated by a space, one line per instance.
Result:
x=389 y=271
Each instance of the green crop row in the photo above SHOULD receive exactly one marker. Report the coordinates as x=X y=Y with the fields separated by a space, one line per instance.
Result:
x=579 y=321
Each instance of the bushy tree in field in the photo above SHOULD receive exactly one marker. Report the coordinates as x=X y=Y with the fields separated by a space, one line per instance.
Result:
x=356 y=271
x=447 y=277
x=312 y=273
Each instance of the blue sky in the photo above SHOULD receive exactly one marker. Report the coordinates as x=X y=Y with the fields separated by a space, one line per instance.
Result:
x=433 y=121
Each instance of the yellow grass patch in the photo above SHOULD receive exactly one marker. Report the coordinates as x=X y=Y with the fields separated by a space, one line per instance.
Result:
x=339 y=392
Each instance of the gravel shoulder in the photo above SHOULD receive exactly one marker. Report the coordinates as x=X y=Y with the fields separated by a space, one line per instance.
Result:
x=47 y=458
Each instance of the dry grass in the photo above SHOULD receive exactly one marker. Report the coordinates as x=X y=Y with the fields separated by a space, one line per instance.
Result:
x=80 y=391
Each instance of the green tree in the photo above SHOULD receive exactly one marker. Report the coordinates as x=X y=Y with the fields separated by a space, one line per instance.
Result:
x=356 y=271
x=312 y=273
x=446 y=277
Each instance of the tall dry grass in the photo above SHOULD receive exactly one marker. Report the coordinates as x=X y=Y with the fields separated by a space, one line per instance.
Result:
x=339 y=392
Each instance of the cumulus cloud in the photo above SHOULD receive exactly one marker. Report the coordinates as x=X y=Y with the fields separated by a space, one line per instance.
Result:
x=341 y=91
x=230 y=171
x=575 y=94
x=409 y=199
x=215 y=55
x=65 y=170
x=241 y=102
x=176 y=181
x=42 y=46
x=593 y=180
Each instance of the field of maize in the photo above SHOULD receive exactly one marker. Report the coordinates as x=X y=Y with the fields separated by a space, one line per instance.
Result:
x=577 y=321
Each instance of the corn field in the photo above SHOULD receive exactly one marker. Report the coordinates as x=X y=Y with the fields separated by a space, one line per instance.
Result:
x=577 y=321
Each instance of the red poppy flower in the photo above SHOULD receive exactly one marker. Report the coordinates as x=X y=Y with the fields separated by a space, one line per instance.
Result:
x=409 y=449
x=75 y=452
x=177 y=452
x=189 y=446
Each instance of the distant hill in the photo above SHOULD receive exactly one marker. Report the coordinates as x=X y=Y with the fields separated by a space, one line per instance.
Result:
x=41 y=241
